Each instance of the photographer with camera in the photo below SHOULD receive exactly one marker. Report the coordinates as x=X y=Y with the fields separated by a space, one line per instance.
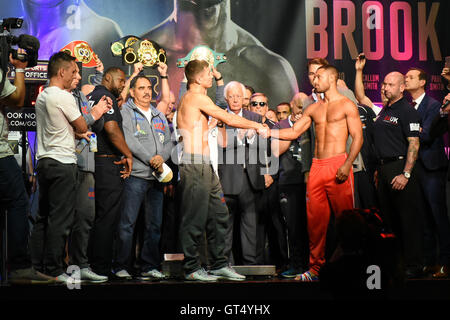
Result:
x=13 y=196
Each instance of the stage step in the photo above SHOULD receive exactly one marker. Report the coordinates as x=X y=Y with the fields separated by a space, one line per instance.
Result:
x=264 y=270
x=172 y=267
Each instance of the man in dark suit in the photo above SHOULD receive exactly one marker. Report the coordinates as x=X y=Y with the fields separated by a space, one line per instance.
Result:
x=270 y=223
x=432 y=167
x=294 y=157
x=241 y=177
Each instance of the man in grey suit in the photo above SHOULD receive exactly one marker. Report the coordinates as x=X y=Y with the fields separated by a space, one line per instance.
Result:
x=241 y=176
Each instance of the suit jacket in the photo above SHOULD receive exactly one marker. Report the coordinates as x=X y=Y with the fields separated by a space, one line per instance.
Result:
x=431 y=151
x=233 y=158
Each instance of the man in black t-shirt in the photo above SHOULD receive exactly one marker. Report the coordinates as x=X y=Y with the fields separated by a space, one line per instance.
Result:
x=396 y=141
x=111 y=147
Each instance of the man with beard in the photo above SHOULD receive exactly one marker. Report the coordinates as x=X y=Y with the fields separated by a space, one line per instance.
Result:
x=209 y=22
x=58 y=119
x=331 y=178
x=108 y=175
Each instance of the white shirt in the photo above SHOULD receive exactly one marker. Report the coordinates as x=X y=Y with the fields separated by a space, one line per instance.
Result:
x=55 y=110
x=147 y=114
x=315 y=97
x=418 y=101
x=239 y=141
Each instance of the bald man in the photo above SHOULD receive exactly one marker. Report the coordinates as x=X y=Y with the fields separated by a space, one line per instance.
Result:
x=331 y=177
x=397 y=130
x=112 y=152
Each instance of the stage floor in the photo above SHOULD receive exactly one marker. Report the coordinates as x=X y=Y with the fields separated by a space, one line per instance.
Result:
x=252 y=299
x=253 y=289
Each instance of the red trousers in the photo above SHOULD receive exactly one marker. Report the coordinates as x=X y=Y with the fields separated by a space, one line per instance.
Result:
x=322 y=191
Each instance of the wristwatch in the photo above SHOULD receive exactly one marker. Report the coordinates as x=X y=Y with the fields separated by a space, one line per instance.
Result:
x=407 y=174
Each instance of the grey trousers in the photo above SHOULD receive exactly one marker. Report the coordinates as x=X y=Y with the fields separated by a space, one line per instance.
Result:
x=203 y=209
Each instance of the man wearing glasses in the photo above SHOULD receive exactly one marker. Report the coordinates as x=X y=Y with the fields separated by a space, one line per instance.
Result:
x=269 y=217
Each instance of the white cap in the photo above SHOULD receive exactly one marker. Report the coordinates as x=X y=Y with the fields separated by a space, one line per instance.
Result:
x=165 y=176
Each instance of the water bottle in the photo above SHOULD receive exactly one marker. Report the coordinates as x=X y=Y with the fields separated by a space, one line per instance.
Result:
x=80 y=146
x=93 y=143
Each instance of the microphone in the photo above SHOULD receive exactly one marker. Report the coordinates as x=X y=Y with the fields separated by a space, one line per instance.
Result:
x=445 y=104
x=27 y=42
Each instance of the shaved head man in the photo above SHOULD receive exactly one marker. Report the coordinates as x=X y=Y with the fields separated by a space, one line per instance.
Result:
x=393 y=86
x=397 y=131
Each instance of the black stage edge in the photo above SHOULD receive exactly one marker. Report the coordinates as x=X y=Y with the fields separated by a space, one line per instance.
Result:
x=254 y=299
x=254 y=291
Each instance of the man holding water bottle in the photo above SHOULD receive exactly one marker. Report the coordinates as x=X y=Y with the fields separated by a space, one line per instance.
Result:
x=86 y=146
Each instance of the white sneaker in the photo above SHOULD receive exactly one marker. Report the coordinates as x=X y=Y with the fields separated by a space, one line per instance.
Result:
x=86 y=274
x=123 y=275
x=65 y=278
x=227 y=273
x=154 y=273
x=201 y=275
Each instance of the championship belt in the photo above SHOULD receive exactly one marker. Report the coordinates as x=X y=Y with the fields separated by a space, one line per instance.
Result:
x=82 y=52
x=148 y=52
x=202 y=53
x=134 y=50
x=122 y=43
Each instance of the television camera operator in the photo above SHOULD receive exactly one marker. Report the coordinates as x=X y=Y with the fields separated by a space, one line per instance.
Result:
x=13 y=195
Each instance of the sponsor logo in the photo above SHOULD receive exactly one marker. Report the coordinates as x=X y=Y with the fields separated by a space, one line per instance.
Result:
x=414 y=126
x=391 y=120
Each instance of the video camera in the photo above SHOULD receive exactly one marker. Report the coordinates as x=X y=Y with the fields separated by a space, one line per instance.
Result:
x=29 y=43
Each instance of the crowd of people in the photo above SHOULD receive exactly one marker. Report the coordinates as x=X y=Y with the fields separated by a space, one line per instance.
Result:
x=254 y=182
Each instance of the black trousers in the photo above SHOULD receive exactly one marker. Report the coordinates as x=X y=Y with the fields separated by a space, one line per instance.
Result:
x=242 y=230
x=365 y=194
x=57 y=191
x=108 y=205
x=437 y=224
x=293 y=208
x=83 y=219
x=401 y=211
x=203 y=210
x=271 y=228
x=14 y=199
x=171 y=222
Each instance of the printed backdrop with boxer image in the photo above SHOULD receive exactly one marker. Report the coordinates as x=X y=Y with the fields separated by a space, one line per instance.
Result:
x=267 y=43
